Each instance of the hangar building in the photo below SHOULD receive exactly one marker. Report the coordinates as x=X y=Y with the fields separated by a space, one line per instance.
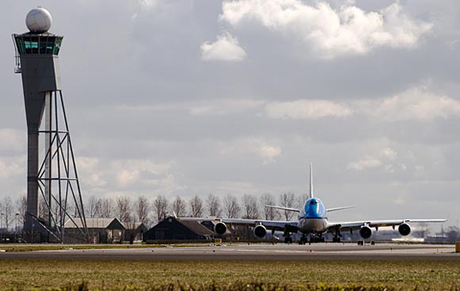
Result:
x=100 y=230
x=173 y=229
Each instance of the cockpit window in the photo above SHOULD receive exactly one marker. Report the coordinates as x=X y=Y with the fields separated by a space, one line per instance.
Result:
x=314 y=202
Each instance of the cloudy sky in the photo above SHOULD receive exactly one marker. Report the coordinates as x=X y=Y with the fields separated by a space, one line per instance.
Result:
x=182 y=97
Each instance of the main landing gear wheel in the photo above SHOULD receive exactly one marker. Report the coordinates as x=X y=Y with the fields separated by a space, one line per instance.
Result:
x=337 y=236
x=303 y=240
x=288 y=240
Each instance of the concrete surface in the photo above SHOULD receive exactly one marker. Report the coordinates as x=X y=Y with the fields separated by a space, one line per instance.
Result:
x=254 y=252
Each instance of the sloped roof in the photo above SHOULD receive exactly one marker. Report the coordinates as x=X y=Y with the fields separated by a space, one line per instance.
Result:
x=196 y=227
x=138 y=226
x=102 y=223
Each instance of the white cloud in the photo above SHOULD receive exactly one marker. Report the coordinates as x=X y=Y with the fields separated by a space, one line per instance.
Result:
x=131 y=172
x=391 y=168
x=386 y=158
x=268 y=152
x=307 y=109
x=119 y=176
x=90 y=168
x=11 y=140
x=225 y=48
x=330 y=32
x=418 y=104
x=364 y=163
x=388 y=153
x=147 y=4
x=225 y=107
x=10 y=167
x=414 y=104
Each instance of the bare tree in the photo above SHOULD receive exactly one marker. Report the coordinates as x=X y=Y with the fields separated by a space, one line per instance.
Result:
x=179 y=207
x=123 y=209
x=287 y=200
x=107 y=208
x=21 y=208
x=142 y=209
x=231 y=206
x=250 y=207
x=93 y=206
x=301 y=199
x=7 y=211
x=1 y=215
x=213 y=203
x=196 y=207
x=269 y=213
x=160 y=207
x=43 y=210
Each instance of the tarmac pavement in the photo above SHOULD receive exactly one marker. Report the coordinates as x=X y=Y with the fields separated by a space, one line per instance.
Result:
x=252 y=252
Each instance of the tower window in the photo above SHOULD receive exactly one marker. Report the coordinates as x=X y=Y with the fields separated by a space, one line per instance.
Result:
x=43 y=45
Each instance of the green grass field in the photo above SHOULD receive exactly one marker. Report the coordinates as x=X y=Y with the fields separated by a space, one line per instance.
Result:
x=202 y=275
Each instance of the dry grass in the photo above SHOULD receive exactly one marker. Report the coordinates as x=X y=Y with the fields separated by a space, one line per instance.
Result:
x=202 y=275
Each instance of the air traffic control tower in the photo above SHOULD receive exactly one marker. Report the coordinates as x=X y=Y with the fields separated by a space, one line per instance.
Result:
x=52 y=179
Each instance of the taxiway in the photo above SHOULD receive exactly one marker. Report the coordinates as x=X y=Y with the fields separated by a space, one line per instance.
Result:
x=252 y=252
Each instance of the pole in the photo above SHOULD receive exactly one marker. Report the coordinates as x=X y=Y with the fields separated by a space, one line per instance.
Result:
x=16 y=232
x=1 y=226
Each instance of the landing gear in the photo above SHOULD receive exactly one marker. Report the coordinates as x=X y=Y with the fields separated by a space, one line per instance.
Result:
x=337 y=236
x=304 y=239
x=288 y=230
x=316 y=238
x=288 y=239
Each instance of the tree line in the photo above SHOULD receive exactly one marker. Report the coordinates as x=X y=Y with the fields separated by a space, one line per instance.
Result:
x=150 y=211
x=142 y=210
x=12 y=213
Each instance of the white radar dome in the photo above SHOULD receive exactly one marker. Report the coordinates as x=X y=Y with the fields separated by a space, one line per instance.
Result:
x=39 y=20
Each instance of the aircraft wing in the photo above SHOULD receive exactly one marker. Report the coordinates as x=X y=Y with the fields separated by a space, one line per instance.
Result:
x=283 y=208
x=353 y=225
x=269 y=224
x=339 y=208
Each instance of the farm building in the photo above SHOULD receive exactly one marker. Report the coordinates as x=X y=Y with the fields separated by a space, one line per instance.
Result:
x=173 y=229
x=135 y=232
x=100 y=230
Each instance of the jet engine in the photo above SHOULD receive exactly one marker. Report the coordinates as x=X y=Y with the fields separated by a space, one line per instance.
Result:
x=260 y=231
x=404 y=229
x=220 y=228
x=365 y=232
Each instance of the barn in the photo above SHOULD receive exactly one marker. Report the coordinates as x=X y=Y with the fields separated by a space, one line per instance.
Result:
x=171 y=229
x=100 y=230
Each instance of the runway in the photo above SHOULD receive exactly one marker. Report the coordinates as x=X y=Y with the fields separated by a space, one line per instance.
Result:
x=253 y=252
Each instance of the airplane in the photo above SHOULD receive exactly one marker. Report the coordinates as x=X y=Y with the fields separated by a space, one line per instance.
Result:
x=312 y=222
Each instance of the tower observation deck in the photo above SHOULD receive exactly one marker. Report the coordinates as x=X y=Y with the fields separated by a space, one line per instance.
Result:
x=52 y=179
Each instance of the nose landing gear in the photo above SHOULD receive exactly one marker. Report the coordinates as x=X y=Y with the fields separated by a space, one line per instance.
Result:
x=316 y=238
x=304 y=239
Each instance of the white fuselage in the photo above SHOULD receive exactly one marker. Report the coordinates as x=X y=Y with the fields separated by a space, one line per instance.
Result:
x=313 y=225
